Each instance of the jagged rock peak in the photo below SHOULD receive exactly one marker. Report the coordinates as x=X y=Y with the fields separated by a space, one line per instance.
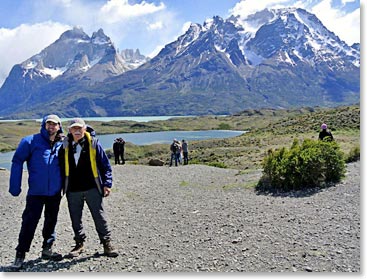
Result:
x=75 y=33
x=191 y=34
x=100 y=37
x=356 y=46
x=214 y=20
x=131 y=55
x=81 y=58
x=194 y=27
x=110 y=55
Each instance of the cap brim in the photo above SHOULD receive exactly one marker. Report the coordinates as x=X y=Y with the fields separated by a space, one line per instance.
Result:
x=52 y=120
x=76 y=125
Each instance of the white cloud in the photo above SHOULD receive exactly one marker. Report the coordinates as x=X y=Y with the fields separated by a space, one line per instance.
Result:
x=248 y=7
x=346 y=26
x=347 y=1
x=122 y=22
x=19 y=44
x=155 y=26
x=65 y=3
x=119 y=10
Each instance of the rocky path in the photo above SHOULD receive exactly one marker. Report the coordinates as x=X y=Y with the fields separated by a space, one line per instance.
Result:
x=199 y=218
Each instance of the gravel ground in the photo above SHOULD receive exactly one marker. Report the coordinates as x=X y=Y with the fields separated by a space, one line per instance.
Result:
x=199 y=218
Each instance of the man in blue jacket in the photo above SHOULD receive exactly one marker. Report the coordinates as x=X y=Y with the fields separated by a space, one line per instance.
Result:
x=88 y=178
x=40 y=151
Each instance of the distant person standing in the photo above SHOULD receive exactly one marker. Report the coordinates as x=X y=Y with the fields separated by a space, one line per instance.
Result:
x=174 y=147
x=122 y=150
x=116 y=151
x=325 y=134
x=185 y=152
x=179 y=152
x=40 y=151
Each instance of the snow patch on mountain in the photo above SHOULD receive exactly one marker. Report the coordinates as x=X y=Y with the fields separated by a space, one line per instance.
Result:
x=54 y=73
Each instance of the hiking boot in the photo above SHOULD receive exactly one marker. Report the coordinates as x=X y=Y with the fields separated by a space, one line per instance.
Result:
x=77 y=250
x=48 y=254
x=19 y=260
x=109 y=251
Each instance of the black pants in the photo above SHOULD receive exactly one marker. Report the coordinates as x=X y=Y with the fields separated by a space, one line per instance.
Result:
x=186 y=157
x=122 y=157
x=117 y=157
x=32 y=214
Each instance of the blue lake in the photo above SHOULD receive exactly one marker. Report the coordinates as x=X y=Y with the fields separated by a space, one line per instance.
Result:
x=146 y=138
x=166 y=137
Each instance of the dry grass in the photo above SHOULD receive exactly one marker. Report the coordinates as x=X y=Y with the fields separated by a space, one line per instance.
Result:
x=267 y=129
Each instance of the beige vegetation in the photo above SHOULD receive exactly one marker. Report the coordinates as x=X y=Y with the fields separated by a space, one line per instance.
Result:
x=267 y=128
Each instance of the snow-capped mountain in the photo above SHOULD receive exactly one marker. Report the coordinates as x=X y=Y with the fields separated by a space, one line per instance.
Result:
x=298 y=35
x=73 y=58
x=65 y=53
x=274 y=58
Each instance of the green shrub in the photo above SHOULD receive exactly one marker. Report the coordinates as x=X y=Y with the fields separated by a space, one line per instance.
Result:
x=224 y=126
x=217 y=165
x=194 y=161
x=311 y=164
x=354 y=155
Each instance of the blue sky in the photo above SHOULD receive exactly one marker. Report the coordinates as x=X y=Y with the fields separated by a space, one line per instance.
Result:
x=26 y=27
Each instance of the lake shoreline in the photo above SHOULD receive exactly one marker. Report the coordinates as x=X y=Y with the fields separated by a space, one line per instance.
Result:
x=147 y=138
x=266 y=129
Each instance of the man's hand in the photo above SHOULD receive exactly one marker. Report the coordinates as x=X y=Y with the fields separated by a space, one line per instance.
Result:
x=106 y=191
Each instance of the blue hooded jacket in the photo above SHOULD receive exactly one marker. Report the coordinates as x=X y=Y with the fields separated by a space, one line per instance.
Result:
x=44 y=174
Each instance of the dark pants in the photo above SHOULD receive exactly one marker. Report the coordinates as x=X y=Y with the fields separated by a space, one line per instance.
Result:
x=32 y=214
x=186 y=157
x=175 y=158
x=117 y=157
x=94 y=202
x=122 y=153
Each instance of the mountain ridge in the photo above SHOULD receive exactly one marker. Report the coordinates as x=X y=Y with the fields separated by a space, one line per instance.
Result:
x=275 y=58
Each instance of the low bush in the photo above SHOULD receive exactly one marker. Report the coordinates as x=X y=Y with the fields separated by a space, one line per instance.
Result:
x=311 y=164
x=354 y=155
x=224 y=126
x=217 y=165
